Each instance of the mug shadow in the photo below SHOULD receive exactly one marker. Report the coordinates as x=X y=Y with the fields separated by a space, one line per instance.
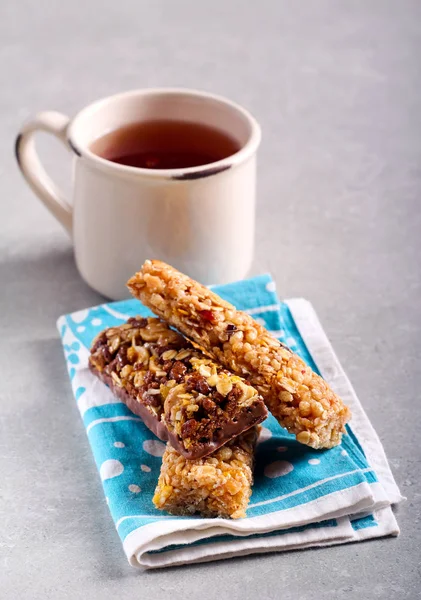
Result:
x=43 y=287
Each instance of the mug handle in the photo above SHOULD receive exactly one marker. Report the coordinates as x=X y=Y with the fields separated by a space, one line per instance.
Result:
x=32 y=169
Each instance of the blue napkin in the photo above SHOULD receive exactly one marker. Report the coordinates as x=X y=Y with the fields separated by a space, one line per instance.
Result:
x=301 y=497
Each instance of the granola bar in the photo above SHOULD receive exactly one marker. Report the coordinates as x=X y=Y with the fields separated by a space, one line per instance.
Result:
x=299 y=398
x=216 y=486
x=180 y=393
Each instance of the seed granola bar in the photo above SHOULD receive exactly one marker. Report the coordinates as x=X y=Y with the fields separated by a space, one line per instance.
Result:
x=300 y=399
x=216 y=486
x=180 y=393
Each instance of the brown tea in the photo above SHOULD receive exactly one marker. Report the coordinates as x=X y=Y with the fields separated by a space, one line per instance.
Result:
x=165 y=144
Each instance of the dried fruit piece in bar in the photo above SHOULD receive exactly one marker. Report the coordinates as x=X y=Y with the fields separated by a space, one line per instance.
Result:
x=299 y=398
x=218 y=485
x=180 y=393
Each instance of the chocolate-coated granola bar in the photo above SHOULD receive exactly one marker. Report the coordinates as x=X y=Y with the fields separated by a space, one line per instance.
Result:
x=218 y=485
x=299 y=398
x=180 y=393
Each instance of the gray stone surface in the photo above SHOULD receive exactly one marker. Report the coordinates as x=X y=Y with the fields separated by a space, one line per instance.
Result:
x=337 y=89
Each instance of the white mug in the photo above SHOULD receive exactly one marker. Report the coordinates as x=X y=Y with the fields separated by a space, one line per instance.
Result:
x=199 y=219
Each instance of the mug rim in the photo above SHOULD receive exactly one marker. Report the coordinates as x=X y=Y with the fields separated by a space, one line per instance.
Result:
x=245 y=152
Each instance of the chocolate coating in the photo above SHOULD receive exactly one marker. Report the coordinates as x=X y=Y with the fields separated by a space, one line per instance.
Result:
x=159 y=428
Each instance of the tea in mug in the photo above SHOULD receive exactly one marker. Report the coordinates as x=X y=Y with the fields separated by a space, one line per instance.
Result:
x=165 y=144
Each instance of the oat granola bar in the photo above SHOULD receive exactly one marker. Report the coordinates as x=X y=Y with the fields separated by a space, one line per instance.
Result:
x=299 y=398
x=216 y=486
x=180 y=393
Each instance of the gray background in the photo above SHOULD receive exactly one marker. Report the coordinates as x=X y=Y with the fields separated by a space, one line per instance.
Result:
x=337 y=89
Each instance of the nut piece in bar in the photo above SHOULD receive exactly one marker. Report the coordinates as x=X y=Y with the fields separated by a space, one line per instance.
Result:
x=218 y=485
x=180 y=393
x=300 y=399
